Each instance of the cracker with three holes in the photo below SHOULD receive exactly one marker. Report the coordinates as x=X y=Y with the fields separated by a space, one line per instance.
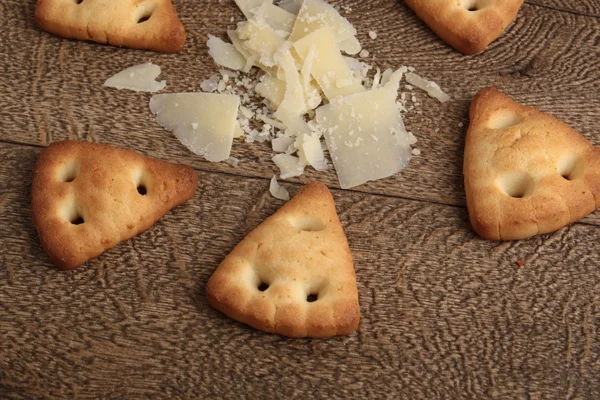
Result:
x=467 y=25
x=87 y=197
x=138 y=24
x=526 y=172
x=293 y=274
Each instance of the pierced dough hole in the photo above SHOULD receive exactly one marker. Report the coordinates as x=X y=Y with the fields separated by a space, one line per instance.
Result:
x=73 y=212
x=308 y=223
x=78 y=1
x=504 y=119
x=571 y=167
x=263 y=286
x=311 y=298
x=143 y=182
x=144 y=12
x=516 y=185
x=69 y=171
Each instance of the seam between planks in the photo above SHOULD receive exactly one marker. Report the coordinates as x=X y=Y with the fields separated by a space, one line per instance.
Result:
x=561 y=9
x=297 y=184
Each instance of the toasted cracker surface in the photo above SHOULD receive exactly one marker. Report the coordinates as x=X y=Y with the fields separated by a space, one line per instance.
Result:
x=88 y=197
x=293 y=274
x=467 y=25
x=526 y=172
x=139 y=24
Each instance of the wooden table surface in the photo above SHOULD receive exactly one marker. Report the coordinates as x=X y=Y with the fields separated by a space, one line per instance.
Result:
x=445 y=314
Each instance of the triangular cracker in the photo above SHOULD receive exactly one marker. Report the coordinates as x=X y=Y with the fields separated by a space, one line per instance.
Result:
x=526 y=172
x=88 y=197
x=293 y=274
x=138 y=24
x=467 y=25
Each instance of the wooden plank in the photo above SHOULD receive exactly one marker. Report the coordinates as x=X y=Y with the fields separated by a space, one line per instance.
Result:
x=444 y=314
x=547 y=59
x=59 y=92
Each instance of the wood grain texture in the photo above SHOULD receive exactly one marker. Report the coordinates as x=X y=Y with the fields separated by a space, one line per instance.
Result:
x=589 y=8
x=547 y=59
x=445 y=315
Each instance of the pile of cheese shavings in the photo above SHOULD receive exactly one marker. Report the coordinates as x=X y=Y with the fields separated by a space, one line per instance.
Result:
x=300 y=93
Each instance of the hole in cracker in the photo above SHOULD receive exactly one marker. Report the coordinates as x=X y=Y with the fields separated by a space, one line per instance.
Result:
x=311 y=298
x=78 y=1
x=142 y=181
x=516 y=185
x=571 y=167
x=469 y=5
x=144 y=12
x=78 y=221
x=308 y=223
x=504 y=119
x=73 y=212
x=263 y=286
x=69 y=171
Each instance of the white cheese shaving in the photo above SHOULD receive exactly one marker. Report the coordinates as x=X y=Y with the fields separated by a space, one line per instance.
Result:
x=328 y=68
x=313 y=152
x=225 y=54
x=373 y=35
x=278 y=18
x=272 y=89
x=291 y=6
x=289 y=166
x=247 y=6
x=282 y=144
x=139 y=78
x=204 y=122
x=316 y=14
x=432 y=88
x=361 y=132
x=278 y=191
x=260 y=38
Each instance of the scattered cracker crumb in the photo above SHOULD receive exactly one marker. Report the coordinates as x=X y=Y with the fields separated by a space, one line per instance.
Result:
x=520 y=263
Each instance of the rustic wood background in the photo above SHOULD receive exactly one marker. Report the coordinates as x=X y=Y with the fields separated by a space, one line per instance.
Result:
x=445 y=315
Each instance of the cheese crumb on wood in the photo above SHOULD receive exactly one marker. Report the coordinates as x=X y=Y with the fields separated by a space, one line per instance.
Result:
x=278 y=191
x=139 y=78
x=204 y=122
x=225 y=54
x=373 y=35
x=361 y=132
x=432 y=88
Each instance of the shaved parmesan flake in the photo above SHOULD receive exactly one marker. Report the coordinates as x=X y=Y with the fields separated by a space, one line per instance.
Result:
x=225 y=54
x=432 y=88
x=272 y=89
x=204 y=122
x=234 y=162
x=373 y=35
x=316 y=14
x=280 y=145
x=289 y=166
x=350 y=46
x=247 y=6
x=139 y=78
x=278 y=191
x=293 y=105
x=312 y=151
x=361 y=132
x=328 y=68
x=291 y=6
x=276 y=17
x=261 y=39
x=238 y=131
